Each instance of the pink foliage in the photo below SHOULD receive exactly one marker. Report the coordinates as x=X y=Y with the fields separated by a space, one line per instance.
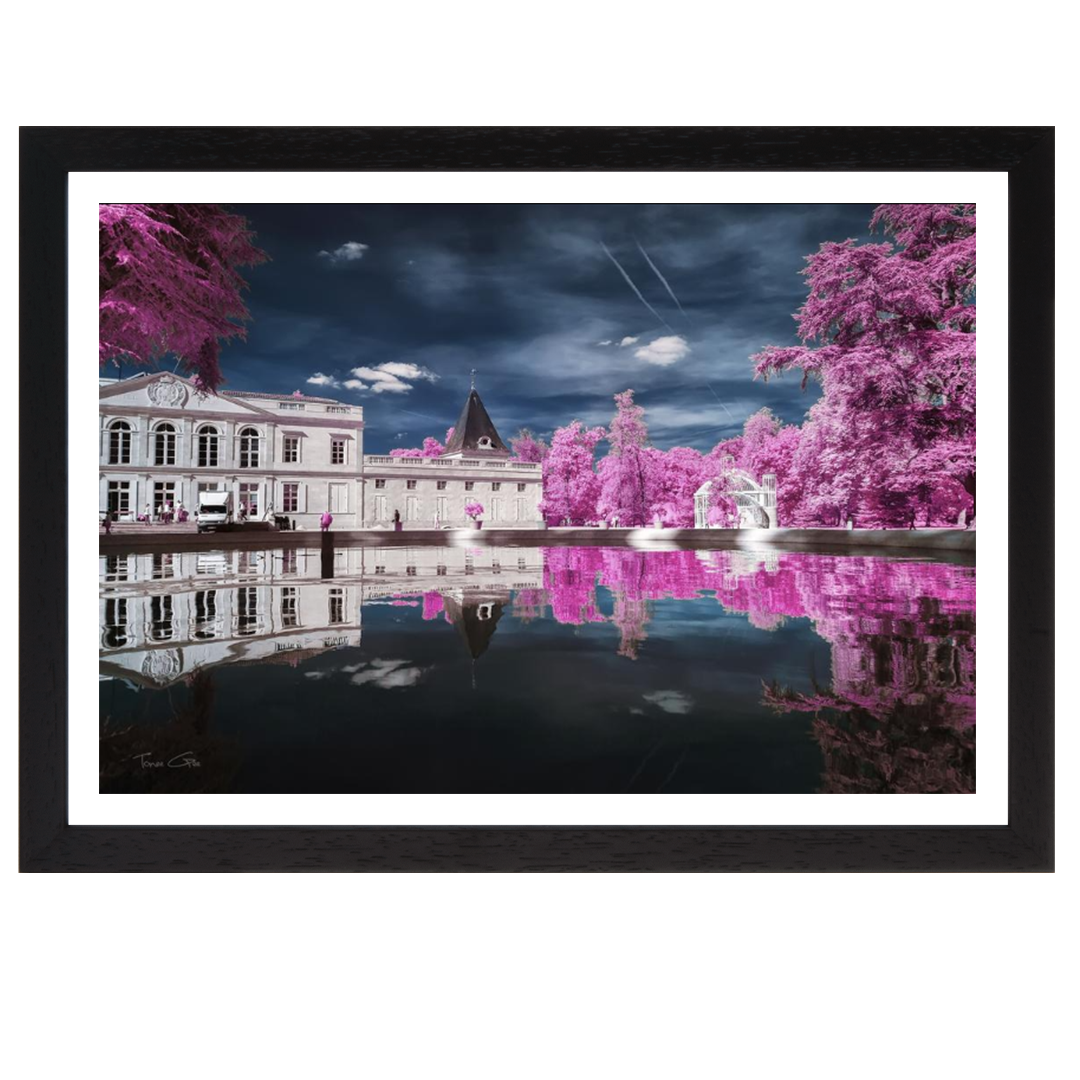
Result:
x=626 y=473
x=169 y=284
x=571 y=486
x=902 y=633
x=890 y=334
x=474 y=510
x=431 y=448
x=433 y=605
x=527 y=447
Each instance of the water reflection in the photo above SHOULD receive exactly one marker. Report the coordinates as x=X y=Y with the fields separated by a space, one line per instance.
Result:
x=895 y=711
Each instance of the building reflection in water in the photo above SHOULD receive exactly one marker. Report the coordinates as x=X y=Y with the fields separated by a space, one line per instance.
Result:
x=897 y=714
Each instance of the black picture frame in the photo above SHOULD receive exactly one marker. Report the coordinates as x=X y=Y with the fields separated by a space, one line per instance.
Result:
x=49 y=844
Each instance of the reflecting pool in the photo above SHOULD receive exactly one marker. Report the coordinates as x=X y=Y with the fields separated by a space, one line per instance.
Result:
x=487 y=669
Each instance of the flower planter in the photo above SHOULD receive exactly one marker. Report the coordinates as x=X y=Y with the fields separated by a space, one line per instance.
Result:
x=477 y=524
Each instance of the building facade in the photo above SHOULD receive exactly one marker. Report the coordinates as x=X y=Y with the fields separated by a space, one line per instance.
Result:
x=476 y=467
x=161 y=443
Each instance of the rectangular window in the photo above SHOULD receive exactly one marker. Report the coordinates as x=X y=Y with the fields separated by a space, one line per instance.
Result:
x=337 y=605
x=339 y=408
x=410 y=571
x=115 y=624
x=290 y=498
x=412 y=508
x=247 y=610
x=291 y=406
x=161 y=627
x=440 y=508
x=120 y=444
x=380 y=507
x=288 y=561
x=119 y=498
x=519 y=509
x=161 y=567
x=469 y=485
x=290 y=449
x=337 y=451
x=410 y=484
x=165 y=445
x=164 y=495
x=495 y=509
x=249 y=499
x=380 y=569
x=440 y=570
x=205 y=615
x=339 y=498
x=440 y=485
x=380 y=484
x=116 y=568
x=288 y=606
x=495 y=485
x=521 y=487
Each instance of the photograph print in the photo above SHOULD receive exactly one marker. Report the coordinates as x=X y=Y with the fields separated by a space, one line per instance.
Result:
x=537 y=498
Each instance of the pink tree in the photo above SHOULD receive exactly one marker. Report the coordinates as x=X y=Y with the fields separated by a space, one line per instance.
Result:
x=571 y=486
x=431 y=448
x=169 y=285
x=527 y=447
x=626 y=472
x=675 y=475
x=890 y=334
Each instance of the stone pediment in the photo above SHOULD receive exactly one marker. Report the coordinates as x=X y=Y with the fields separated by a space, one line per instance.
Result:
x=167 y=391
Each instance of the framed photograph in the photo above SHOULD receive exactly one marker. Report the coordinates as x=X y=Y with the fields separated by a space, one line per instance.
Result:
x=535 y=499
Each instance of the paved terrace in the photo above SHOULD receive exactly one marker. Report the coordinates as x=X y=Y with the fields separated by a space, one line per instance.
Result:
x=955 y=544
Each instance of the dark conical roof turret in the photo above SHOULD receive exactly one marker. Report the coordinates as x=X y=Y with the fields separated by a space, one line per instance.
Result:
x=474 y=430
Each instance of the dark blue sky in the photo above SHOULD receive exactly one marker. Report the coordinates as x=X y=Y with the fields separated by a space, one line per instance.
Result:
x=526 y=294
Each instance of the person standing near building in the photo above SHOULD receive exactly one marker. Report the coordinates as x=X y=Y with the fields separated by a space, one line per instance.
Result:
x=397 y=521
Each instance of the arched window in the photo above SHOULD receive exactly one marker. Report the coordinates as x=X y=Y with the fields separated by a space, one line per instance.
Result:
x=165 y=444
x=249 y=448
x=119 y=443
x=207 y=446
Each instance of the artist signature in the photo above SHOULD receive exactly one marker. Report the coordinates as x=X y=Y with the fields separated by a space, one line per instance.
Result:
x=186 y=760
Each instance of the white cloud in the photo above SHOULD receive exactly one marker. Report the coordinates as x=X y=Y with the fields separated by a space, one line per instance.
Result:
x=388 y=674
x=350 y=251
x=627 y=341
x=354 y=384
x=317 y=674
x=319 y=379
x=664 y=350
x=671 y=701
x=408 y=371
x=608 y=342
x=390 y=378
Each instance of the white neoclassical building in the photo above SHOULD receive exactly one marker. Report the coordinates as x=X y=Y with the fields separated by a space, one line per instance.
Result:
x=476 y=467
x=162 y=442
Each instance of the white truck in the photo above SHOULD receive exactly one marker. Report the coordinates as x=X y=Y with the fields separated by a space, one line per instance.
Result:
x=215 y=508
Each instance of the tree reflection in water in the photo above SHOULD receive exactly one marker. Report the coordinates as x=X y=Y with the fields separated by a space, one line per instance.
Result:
x=900 y=713
x=896 y=711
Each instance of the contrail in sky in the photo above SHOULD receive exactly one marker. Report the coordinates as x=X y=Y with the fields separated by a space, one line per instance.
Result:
x=663 y=280
x=637 y=291
x=722 y=405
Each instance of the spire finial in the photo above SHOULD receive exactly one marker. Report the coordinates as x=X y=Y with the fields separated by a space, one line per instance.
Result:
x=472 y=379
